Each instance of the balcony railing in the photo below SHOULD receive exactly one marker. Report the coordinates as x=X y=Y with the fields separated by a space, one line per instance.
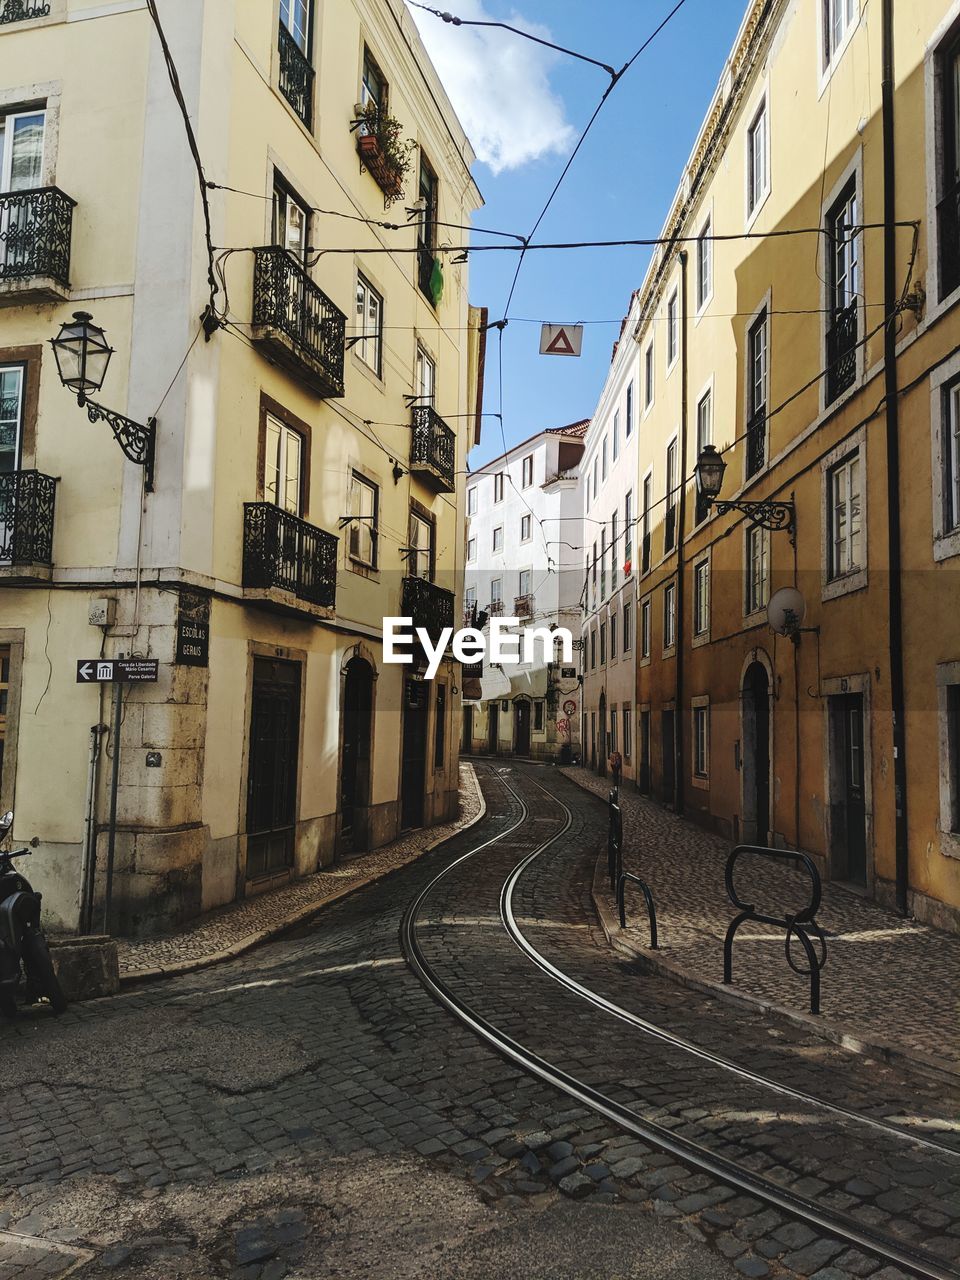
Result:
x=296 y=76
x=35 y=229
x=756 y=442
x=669 y=529
x=523 y=606
x=430 y=606
x=282 y=552
x=433 y=450
x=842 y=352
x=296 y=320
x=948 y=228
x=26 y=518
x=495 y=609
x=21 y=10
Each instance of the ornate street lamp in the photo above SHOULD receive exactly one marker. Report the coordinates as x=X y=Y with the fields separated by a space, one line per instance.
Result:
x=83 y=354
x=768 y=515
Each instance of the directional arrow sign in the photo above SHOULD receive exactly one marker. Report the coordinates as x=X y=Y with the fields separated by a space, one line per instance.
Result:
x=95 y=671
x=561 y=339
x=120 y=670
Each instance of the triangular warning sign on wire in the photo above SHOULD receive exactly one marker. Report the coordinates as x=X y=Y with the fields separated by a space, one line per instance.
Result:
x=561 y=339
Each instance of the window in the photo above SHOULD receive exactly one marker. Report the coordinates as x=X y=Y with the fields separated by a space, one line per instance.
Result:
x=950 y=449
x=843 y=284
x=498 y=487
x=645 y=522
x=420 y=560
x=373 y=85
x=496 y=594
x=282 y=467
x=604 y=460
x=704 y=437
x=670 y=615
x=757 y=372
x=616 y=435
x=629 y=411
x=595 y=562
x=613 y=636
x=472 y=501
x=838 y=18
x=704 y=265
x=627 y=734
x=948 y=210
x=21 y=150
x=758 y=568
x=673 y=329
x=648 y=376
x=701 y=598
x=526 y=583
x=295 y=16
x=603 y=643
x=369 y=325
x=291 y=221
x=469 y=603
x=429 y=274
x=527 y=471
x=525 y=527
x=627 y=637
x=603 y=564
x=701 y=741
x=593 y=649
x=498 y=538
x=844 y=517
x=440 y=728
x=670 y=515
x=364 y=507
x=645 y=628
x=595 y=475
x=471 y=548
x=628 y=533
x=614 y=549
x=425 y=375
x=538 y=716
x=948 y=697
x=757 y=160
x=11 y=416
x=613 y=729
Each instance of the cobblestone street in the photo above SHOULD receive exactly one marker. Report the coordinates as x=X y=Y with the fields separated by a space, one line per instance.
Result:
x=309 y=1110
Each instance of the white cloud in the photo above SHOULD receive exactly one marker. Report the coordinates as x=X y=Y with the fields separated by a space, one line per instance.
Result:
x=499 y=86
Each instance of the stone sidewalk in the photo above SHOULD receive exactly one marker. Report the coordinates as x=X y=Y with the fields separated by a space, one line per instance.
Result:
x=890 y=987
x=232 y=930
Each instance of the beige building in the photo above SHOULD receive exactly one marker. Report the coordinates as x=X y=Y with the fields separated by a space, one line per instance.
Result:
x=802 y=319
x=309 y=456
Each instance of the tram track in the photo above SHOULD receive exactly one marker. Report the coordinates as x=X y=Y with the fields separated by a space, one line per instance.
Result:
x=822 y=1218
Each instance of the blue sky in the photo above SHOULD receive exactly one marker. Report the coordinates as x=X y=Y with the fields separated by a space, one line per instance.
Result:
x=524 y=110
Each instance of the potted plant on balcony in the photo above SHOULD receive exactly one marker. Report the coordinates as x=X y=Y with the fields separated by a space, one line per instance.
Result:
x=382 y=150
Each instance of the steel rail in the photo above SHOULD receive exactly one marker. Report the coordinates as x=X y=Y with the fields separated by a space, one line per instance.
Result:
x=693 y=1154
x=668 y=1037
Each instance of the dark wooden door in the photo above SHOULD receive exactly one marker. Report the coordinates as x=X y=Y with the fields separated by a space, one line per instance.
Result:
x=521 y=728
x=466 y=744
x=854 y=786
x=355 y=753
x=493 y=727
x=668 y=742
x=644 y=778
x=416 y=701
x=272 y=771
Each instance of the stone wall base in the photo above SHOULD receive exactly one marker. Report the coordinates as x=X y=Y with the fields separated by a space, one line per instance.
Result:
x=86 y=967
x=921 y=906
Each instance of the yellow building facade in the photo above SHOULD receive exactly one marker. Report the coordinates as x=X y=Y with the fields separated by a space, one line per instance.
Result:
x=801 y=318
x=310 y=446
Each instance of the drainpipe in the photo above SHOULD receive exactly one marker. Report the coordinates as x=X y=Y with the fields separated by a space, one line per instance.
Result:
x=891 y=392
x=681 y=526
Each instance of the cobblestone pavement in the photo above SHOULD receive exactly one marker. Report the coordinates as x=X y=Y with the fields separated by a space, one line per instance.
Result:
x=308 y=1110
x=876 y=981
x=234 y=929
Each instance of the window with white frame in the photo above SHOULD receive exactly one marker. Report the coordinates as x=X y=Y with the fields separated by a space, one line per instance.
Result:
x=704 y=437
x=670 y=511
x=948 y=681
x=603 y=458
x=613 y=636
x=469 y=603
x=701 y=740
x=627 y=733
x=673 y=329
x=425 y=375
x=844 y=517
x=628 y=427
x=369 y=347
x=757 y=389
x=420 y=558
x=472 y=501
x=843 y=291
x=364 y=507
x=626 y=629
x=498 y=487
x=282 y=466
x=758 y=152
x=526 y=472
x=526 y=526
x=628 y=532
x=295 y=16
x=947 y=81
x=11 y=417
x=613 y=729
x=648 y=372
x=616 y=435
x=670 y=615
x=645 y=628
x=645 y=523
x=704 y=264
x=614 y=550
x=838 y=17
x=596 y=469
x=603 y=563
x=701 y=598
x=758 y=568
x=471 y=549
x=291 y=220
x=498 y=538
x=373 y=84
x=603 y=643
x=496 y=595
x=538 y=716
x=950 y=451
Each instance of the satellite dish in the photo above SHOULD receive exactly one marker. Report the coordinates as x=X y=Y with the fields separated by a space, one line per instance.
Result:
x=786 y=610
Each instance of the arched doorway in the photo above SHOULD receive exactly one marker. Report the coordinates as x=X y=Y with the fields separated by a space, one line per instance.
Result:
x=755 y=727
x=355 y=754
x=521 y=727
x=602 y=738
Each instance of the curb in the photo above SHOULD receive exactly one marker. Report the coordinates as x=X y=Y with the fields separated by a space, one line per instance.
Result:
x=653 y=962
x=297 y=917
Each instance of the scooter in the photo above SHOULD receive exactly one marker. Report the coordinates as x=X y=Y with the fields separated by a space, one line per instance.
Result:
x=22 y=941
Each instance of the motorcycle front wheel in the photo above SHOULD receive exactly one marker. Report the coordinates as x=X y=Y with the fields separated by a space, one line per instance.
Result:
x=39 y=967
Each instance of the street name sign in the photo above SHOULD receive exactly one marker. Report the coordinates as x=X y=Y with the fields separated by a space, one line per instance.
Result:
x=117 y=670
x=561 y=339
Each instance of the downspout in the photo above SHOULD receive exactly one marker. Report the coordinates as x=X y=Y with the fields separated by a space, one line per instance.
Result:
x=681 y=523
x=891 y=393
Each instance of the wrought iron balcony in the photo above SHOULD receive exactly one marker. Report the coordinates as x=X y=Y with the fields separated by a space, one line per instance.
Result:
x=429 y=606
x=282 y=553
x=22 y=10
x=523 y=606
x=842 y=352
x=756 y=442
x=669 y=529
x=26 y=522
x=495 y=608
x=296 y=76
x=296 y=322
x=433 y=450
x=35 y=228
x=948 y=228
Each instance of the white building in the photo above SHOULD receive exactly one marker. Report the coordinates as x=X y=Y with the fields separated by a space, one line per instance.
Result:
x=614 y=541
x=523 y=560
